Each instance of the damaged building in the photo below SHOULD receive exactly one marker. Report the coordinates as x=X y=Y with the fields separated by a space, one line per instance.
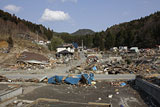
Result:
x=30 y=59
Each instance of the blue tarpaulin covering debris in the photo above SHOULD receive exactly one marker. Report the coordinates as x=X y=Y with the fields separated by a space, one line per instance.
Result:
x=71 y=80
x=74 y=80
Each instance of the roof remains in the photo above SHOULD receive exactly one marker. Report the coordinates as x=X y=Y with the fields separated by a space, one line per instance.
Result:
x=32 y=58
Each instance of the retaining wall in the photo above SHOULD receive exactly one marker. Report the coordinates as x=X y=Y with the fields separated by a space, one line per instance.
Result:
x=10 y=93
x=150 y=88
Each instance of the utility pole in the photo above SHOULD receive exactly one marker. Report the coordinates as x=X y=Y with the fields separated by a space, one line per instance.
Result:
x=37 y=37
x=82 y=44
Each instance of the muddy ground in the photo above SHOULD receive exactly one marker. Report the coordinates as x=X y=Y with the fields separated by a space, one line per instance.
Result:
x=99 y=93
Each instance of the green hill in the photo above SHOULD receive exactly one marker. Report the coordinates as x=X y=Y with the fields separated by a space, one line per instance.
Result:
x=83 y=32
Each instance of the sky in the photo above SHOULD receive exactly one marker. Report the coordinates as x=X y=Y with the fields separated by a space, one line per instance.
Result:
x=71 y=15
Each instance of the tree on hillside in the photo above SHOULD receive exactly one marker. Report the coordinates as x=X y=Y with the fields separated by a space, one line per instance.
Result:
x=55 y=42
x=10 y=42
x=109 y=40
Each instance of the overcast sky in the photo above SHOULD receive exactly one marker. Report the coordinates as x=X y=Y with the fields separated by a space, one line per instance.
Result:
x=71 y=15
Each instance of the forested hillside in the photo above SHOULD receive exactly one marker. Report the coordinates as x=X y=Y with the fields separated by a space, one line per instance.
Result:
x=12 y=25
x=144 y=32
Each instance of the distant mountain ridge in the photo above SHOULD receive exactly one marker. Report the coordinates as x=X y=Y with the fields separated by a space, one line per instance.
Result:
x=83 y=32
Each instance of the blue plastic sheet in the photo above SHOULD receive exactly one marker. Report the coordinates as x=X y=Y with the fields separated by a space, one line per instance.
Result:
x=71 y=80
x=94 y=68
x=123 y=84
x=59 y=79
x=84 y=78
x=88 y=78
x=55 y=79
x=52 y=80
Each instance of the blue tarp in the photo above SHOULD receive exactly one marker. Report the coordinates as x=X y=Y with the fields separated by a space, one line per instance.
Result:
x=55 y=79
x=84 y=78
x=71 y=80
x=123 y=84
x=52 y=80
x=75 y=45
x=88 y=78
x=94 y=68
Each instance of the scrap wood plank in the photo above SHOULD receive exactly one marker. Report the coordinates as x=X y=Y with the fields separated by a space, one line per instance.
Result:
x=93 y=103
x=68 y=102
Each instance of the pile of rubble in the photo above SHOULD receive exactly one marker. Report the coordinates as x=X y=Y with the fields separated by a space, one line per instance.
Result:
x=3 y=79
x=142 y=63
x=35 y=61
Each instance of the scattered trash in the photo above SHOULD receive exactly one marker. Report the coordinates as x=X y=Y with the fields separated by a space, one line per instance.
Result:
x=99 y=98
x=95 y=87
x=121 y=106
x=94 y=68
x=43 y=79
x=123 y=84
x=9 y=80
x=93 y=83
x=110 y=96
x=117 y=92
x=118 y=83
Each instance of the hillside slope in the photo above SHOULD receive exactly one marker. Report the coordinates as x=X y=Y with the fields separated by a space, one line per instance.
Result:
x=23 y=35
x=11 y=25
x=144 y=32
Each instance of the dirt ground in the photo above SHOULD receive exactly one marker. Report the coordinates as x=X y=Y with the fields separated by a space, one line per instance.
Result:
x=99 y=93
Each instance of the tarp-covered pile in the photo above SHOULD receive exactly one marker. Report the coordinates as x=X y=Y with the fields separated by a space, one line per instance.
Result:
x=74 y=80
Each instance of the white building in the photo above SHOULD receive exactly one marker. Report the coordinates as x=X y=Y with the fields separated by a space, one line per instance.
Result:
x=158 y=47
x=115 y=49
x=41 y=42
x=123 y=48
x=69 y=48
x=134 y=49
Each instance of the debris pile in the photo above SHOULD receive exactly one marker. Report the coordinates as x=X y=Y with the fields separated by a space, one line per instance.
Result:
x=121 y=63
x=119 y=84
x=3 y=79
x=25 y=80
